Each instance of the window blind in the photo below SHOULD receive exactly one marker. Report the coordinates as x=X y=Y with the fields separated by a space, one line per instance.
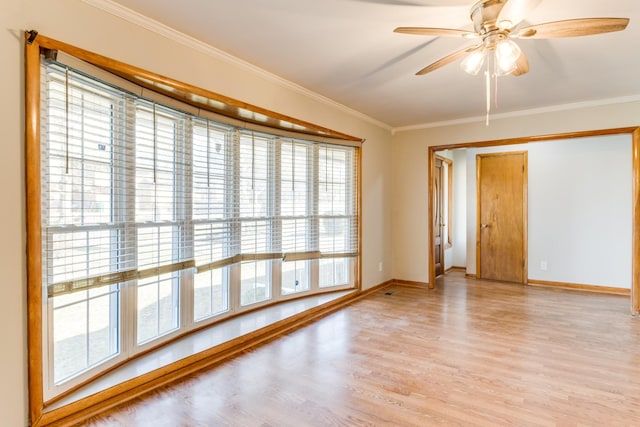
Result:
x=227 y=195
x=83 y=216
x=337 y=200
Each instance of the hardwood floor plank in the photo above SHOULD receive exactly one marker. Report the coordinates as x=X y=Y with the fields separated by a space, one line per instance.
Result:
x=468 y=353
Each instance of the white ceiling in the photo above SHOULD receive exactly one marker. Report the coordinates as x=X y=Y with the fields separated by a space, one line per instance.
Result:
x=346 y=50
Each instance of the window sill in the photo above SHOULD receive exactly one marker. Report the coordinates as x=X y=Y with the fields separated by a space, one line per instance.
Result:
x=206 y=339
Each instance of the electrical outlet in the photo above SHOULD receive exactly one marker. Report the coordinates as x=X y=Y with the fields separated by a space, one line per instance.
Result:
x=543 y=265
x=380 y=266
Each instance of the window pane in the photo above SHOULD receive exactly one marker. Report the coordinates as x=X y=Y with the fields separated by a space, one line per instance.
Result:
x=334 y=234
x=334 y=272
x=255 y=282
x=158 y=306
x=158 y=246
x=295 y=235
x=211 y=293
x=295 y=277
x=81 y=254
x=85 y=330
x=256 y=236
x=212 y=241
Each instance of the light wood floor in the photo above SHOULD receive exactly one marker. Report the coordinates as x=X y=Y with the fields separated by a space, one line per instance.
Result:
x=468 y=353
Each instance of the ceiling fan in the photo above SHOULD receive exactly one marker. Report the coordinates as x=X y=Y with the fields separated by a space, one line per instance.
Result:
x=496 y=24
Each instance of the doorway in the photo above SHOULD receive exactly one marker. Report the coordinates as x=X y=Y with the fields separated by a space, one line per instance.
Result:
x=634 y=132
x=501 y=243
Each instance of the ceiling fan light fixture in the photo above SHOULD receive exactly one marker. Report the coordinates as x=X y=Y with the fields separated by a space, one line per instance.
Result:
x=507 y=54
x=474 y=61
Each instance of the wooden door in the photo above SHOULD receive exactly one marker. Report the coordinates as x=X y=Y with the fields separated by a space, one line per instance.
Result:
x=502 y=216
x=438 y=199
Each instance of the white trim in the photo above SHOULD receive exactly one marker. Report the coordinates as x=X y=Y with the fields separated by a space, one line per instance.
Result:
x=143 y=21
x=549 y=109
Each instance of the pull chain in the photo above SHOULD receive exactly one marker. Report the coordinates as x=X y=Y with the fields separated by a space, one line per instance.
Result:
x=253 y=161
x=208 y=157
x=293 y=167
x=66 y=102
x=155 y=143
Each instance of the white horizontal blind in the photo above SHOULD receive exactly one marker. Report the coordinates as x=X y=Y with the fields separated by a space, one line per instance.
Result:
x=255 y=208
x=213 y=215
x=84 y=217
x=161 y=210
x=337 y=201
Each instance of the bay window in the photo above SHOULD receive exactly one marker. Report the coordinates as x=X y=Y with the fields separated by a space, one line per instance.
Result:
x=156 y=221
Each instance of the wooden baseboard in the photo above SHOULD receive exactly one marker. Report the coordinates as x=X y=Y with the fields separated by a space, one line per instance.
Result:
x=410 y=283
x=374 y=289
x=470 y=276
x=456 y=268
x=580 y=287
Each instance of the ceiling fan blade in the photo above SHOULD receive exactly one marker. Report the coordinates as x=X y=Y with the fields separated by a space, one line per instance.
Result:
x=522 y=65
x=447 y=59
x=436 y=32
x=514 y=12
x=572 y=28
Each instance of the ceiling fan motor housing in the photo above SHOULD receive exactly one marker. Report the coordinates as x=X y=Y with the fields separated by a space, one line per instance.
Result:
x=484 y=15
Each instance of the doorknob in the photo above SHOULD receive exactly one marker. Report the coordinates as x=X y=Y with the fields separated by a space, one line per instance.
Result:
x=485 y=225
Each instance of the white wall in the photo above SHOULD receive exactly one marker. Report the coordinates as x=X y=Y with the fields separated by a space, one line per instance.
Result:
x=80 y=24
x=579 y=209
x=580 y=215
x=13 y=330
x=410 y=178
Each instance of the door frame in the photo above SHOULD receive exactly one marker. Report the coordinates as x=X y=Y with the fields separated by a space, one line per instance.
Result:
x=525 y=213
x=634 y=132
x=446 y=200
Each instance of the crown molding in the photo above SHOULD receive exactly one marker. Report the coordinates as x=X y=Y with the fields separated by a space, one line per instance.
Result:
x=143 y=21
x=520 y=113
